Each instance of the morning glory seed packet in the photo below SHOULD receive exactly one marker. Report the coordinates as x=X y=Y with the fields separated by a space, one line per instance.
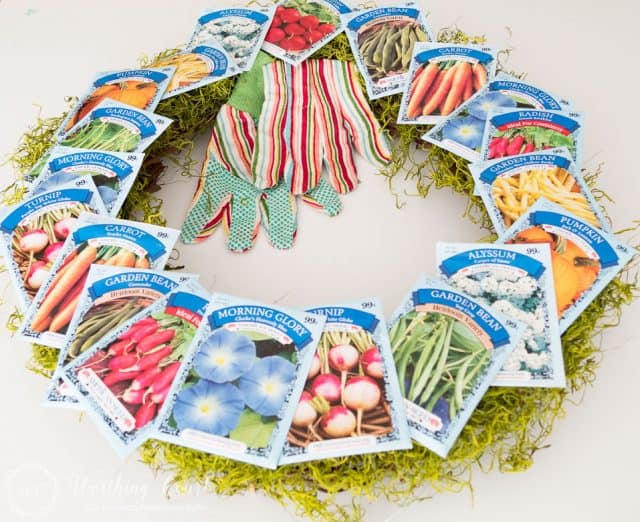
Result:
x=351 y=403
x=516 y=280
x=448 y=349
x=238 y=390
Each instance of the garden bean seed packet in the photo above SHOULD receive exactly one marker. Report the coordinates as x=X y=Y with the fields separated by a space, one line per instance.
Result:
x=584 y=257
x=32 y=232
x=448 y=349
x=516 y=280
x=239 y=30
x=239 y=388
x=510 y=186
x=123 y=380
x=116 y=127
x=139 y=88
x=300 y=27
x=113 y=172
x=382 y=41
x=461 y=132
x=441 y=78
x=351 y=403
x=94 y=239
x=111 y=296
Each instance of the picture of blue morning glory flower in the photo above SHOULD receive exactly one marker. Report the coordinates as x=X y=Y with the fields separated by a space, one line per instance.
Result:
x=483 y=105
x=209 y=407
x=265 y=386
x=224 y=356
x=466 y=131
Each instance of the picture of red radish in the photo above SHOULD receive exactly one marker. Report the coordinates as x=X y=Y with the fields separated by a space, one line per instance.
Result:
x=52 y=251
x=275 y=35
x=372 y=363
x=64 y=227
x=309 y=22
x=37 y=274
x=314 y=36
x=145 y=379
x=289 y=15
x=294 y=29
x=327 y=386
x=133 y=396
x=338 y=422
x=277 y=21
x=326 y=28
x=145 y=414
x=295 y=43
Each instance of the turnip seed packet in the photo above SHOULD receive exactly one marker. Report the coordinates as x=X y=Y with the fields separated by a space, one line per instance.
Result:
x=239 y=30
x=441 y=78
x=238 y=390
x=516 y=280
x=351 y=403
x=448 y=349
x=94 y=239
x=382 y=41
x=116 y=127
x=461 y=132
x=584 y=258
x=111 y=296
x=300 y=27
x=32 y=232
x=140 y=88
x=123 y=380
x=510 y=186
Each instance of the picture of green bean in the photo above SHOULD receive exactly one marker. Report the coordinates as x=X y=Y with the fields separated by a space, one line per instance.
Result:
x=103 y=135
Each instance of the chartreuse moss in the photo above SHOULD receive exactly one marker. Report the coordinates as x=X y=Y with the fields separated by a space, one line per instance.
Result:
x=505 y=431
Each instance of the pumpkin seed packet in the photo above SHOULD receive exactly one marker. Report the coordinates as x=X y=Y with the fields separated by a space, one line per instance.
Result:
x=239 y=387
x=461 y=132
x=351 y=403
x=382 y=41
x=516 y=280
x=448 y=348
x=140 y=88
x=116 y=127
x=123 y=380
x=300 y=27
x=510 y=186
x=584 y=258
x=94 y=239
x=239 y=30
x=111 y=296
x=32 y=233
x=441 y=78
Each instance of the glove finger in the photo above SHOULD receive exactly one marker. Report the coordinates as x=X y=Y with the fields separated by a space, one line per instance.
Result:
x=243 y=216
x=232 y=141
x=323 y=197
x=278 y=208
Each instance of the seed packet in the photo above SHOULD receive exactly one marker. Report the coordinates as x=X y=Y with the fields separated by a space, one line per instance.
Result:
x=351 y=403
x=461 y=133
x=584 y=258
x=113 y=172
x=300 y=27
x=441 y=78
x=94 y=239
x=116 y=127
x=32 y=232
x=240 y=31
x=382 y=41
x=139 y=88
x=111 y=296
x=123 y=380
x=509 y=186
x=241 y=381
x=516 y=280
x=448 y=349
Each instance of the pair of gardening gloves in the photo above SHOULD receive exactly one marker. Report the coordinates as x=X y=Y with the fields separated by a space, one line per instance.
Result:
x=282 y=127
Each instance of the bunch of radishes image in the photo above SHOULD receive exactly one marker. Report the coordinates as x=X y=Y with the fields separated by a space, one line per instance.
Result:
x=297 y=25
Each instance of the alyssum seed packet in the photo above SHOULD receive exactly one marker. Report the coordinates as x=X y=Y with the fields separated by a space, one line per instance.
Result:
x=300 y=27
x=516 y=280
x=441 y=78
x=124 y=379
x=111 y=296
x=351 y=403
x=584 y=258
x=448 y=349
x=94 y=239
x=510 y=186
x=461 y=132
x=33 y=231
x=238 y=390
x=382 y=41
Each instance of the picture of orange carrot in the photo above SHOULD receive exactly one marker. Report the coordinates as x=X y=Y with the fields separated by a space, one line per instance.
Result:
x=441 y=94
x=424 y=81
x=479 y=76
x=468 y=88
x=456 y=91
x=142 y=262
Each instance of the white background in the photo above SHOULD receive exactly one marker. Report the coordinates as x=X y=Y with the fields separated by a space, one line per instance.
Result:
x=52 y=465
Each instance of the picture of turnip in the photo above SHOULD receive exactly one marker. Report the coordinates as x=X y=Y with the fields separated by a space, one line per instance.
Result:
x=338 y=422
x=37 y=275
x=372 y=363
x=361 y=394
x=343 y=358
x=327 y=386
x=63 y=227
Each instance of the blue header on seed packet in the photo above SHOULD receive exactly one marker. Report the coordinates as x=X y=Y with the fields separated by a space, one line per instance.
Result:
x=372 y=14
x=217 y=57
x=224 y=13
x=492 y=256
x=514 y=162
x=338 y=6
x=343 y=315
x=155 y=76
x=492 y=326
x=139 y=119
x=134 y=279
x=188 y=301
x=95 y=158
x=277 y=319
x=556 y=121
x=454 y=50
x=151 y=245
x=546 y=100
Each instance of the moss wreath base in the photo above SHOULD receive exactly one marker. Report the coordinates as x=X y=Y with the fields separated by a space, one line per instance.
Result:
x=506 y=429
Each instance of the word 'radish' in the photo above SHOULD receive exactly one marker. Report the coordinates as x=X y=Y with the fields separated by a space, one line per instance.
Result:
x=338 y=422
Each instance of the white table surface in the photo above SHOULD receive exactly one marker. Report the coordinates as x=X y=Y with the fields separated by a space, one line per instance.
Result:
x=55 y=467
